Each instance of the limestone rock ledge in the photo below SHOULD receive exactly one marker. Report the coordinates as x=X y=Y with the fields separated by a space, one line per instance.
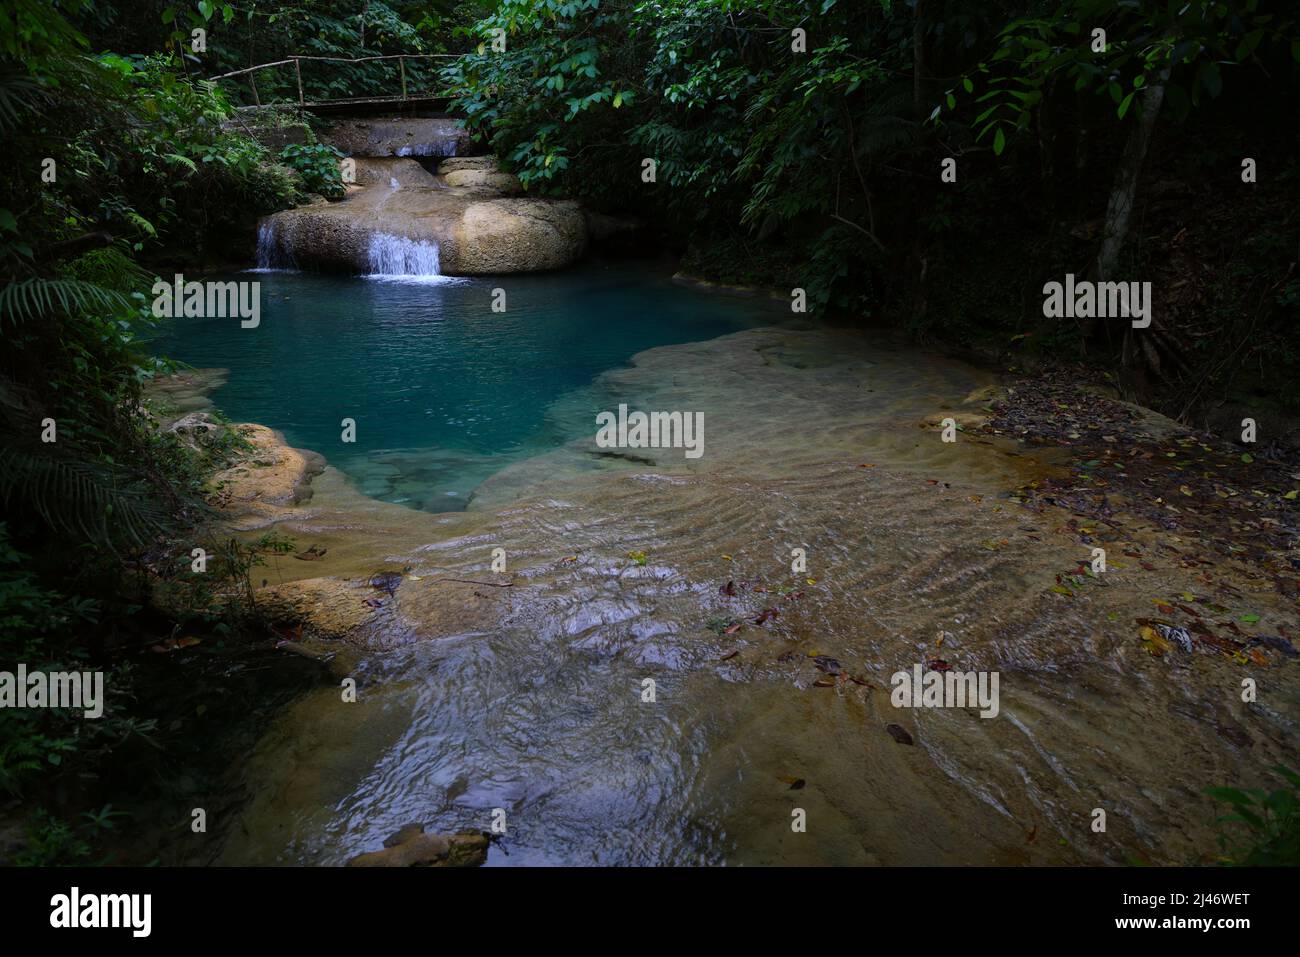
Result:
x=470 y=211
x=260 y=483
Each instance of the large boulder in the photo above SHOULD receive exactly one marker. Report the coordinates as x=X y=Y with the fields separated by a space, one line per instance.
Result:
x=479 y=173
x=515 y=235
x=503 y=183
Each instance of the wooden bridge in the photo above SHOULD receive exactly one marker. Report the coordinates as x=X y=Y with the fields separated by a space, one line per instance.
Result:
x=406 y=98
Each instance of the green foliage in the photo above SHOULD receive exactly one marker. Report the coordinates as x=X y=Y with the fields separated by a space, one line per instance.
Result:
x=548 y=89
x=318 y=167
x=143 y=156
x=54 y=842
x=1183 y=47
x=1271 y=820
x=743 y=130
x=247 y=34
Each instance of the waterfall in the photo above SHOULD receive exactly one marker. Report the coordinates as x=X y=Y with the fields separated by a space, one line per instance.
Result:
x=272 y=254
x=398 y=257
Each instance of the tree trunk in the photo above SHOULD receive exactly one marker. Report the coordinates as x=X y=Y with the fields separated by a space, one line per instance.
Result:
x=919 y=261
x=1138 y=355
x=1120 y=207
x=918 y=59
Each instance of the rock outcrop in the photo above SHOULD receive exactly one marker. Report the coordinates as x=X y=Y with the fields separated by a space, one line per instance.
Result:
x=397 y=136
x=469 y=216
x=478 y=172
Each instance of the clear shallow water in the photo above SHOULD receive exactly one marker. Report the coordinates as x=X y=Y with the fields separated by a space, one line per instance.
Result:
x=528 y=698
x=444 y=391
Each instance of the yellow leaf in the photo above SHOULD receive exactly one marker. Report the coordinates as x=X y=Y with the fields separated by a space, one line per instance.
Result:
x=1156 y=644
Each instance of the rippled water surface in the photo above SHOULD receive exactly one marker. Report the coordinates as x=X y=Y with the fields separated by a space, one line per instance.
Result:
x=523 y=690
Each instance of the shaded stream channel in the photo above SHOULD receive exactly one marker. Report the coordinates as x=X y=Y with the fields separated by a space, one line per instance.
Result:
x=475 y=430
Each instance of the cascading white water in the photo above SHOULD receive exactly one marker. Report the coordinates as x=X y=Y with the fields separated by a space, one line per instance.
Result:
x=265 y=245
x=272 y=254
x=397 y=256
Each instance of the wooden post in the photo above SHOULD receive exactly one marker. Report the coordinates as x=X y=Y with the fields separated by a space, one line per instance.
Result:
x=401 y=63
x=297 y=69
x=257 y=100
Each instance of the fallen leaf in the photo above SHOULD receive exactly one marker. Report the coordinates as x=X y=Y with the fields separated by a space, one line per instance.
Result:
x=1156 y=644
x=1236 y=735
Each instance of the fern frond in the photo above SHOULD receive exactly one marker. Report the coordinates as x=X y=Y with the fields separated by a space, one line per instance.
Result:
x=19 y=94
x=35 y=297
x=83 y=499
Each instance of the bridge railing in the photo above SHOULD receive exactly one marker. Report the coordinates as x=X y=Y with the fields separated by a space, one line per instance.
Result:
x=303 y=103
